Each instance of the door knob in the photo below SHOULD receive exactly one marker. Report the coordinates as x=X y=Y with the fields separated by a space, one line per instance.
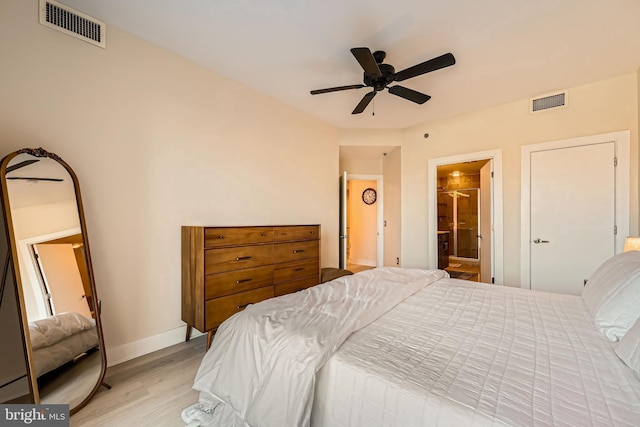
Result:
x=536 y=241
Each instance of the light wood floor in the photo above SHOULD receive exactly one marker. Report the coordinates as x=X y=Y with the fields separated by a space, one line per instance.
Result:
x=471 y=268
x=151 y=390
x=355 y=268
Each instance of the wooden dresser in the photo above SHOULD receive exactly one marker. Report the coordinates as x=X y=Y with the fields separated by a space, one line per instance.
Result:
x=224 y=269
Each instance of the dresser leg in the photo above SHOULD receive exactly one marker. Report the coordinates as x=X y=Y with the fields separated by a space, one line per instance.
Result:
x=210 y=338
x=188 y=336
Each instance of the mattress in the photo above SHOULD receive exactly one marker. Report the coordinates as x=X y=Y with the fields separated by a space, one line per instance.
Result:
x=461 y=353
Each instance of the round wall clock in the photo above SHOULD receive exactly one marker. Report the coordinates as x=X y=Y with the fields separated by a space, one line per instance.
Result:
x=369 y=196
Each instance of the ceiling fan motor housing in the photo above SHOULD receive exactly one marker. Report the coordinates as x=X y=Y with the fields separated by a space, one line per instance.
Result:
x=380 y=82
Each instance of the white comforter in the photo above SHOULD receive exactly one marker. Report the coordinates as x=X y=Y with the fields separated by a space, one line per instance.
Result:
x=262 y=366
x=51 y=330
x=460 y=353
x=59 y=339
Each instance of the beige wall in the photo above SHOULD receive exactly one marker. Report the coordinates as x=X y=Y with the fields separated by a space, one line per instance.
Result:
x=158 y=142
x=392 y=185
x=361 y=166
x=600 y=107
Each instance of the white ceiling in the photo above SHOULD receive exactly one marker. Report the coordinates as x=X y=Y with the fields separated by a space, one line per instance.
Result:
x=25 y=193
x=505 y=49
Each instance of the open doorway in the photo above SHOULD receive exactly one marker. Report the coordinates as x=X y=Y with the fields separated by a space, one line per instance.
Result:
x=382 y=165
x=361 y=224
x=465 y=221
x=461 y=219
x=364 y=248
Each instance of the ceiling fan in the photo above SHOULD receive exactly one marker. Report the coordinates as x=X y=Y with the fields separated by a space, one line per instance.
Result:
x=379 y=76
x=28 y=178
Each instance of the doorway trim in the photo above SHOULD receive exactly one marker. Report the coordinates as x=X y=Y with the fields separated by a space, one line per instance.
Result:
x=622 y=142
x=495 y=157
x=379 y=212
x=29 y=262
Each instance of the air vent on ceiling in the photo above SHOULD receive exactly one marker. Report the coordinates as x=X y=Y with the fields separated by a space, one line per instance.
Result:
x=548 y=101
x=63 y=18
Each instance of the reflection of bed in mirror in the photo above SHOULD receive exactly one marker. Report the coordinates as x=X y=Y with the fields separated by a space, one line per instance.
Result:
x=61 y=339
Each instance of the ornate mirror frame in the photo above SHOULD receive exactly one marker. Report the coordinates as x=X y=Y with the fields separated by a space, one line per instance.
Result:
x=12 y=275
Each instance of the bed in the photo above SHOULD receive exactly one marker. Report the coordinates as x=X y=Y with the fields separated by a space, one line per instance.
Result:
x=59 y=339
x=405 y=347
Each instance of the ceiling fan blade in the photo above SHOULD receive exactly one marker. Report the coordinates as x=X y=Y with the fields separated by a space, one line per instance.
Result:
x=27 y=178
x=442 y=61
x=410 y=94
x=364 y=102
x=335 y=89
x=367 y=61
x=21 y=165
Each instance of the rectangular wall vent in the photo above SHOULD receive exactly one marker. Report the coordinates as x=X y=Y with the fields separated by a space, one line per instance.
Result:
x=548 y=101
x=63 y=18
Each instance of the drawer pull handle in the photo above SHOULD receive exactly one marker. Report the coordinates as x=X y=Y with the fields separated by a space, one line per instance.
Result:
x=263 y=234
x=299 y=269
x=241 y=306
x=221 y=237
x=242 y=258
x=297 y=251
x=243 y=281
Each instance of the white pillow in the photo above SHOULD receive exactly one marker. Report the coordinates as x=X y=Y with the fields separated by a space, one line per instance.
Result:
x=628 y=348
x=612 y=294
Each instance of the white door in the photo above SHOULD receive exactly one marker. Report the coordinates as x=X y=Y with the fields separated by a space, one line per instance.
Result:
x=61 y=273
x=342 y=238
x=486 y=229
x=572 y=215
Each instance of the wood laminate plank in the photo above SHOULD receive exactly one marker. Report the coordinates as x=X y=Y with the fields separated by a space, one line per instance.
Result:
x=151 y=390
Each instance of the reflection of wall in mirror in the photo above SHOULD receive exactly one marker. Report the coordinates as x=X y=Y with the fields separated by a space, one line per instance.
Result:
x=35 y=224
x=60 y=270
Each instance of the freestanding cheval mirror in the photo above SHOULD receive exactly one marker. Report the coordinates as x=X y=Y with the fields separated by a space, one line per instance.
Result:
x=51 y=343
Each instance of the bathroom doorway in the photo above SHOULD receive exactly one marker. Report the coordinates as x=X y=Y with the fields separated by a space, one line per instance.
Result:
x=460 y=219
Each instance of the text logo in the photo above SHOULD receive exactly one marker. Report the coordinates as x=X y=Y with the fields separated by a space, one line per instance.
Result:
x=34 y=415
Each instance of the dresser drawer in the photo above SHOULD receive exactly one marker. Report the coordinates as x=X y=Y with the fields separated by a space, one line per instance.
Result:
x=221 y=284
x=307 y=232
x=229 y=259
x=285 y=252
x=295 y=285
x=219 y=309
x=296 y=270
x=222 y=236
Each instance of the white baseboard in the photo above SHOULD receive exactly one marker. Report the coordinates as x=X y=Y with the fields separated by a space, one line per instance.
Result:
x=131 y=350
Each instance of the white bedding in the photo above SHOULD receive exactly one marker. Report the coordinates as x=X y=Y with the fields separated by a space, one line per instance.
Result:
x=260 y=370
x=59 y=339
x=462 y=353
x=454 y=353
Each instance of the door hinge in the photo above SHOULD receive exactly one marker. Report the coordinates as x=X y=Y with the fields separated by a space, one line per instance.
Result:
x=491 y=174
x=615 y=161
x=493 y=280
x=615 y=230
